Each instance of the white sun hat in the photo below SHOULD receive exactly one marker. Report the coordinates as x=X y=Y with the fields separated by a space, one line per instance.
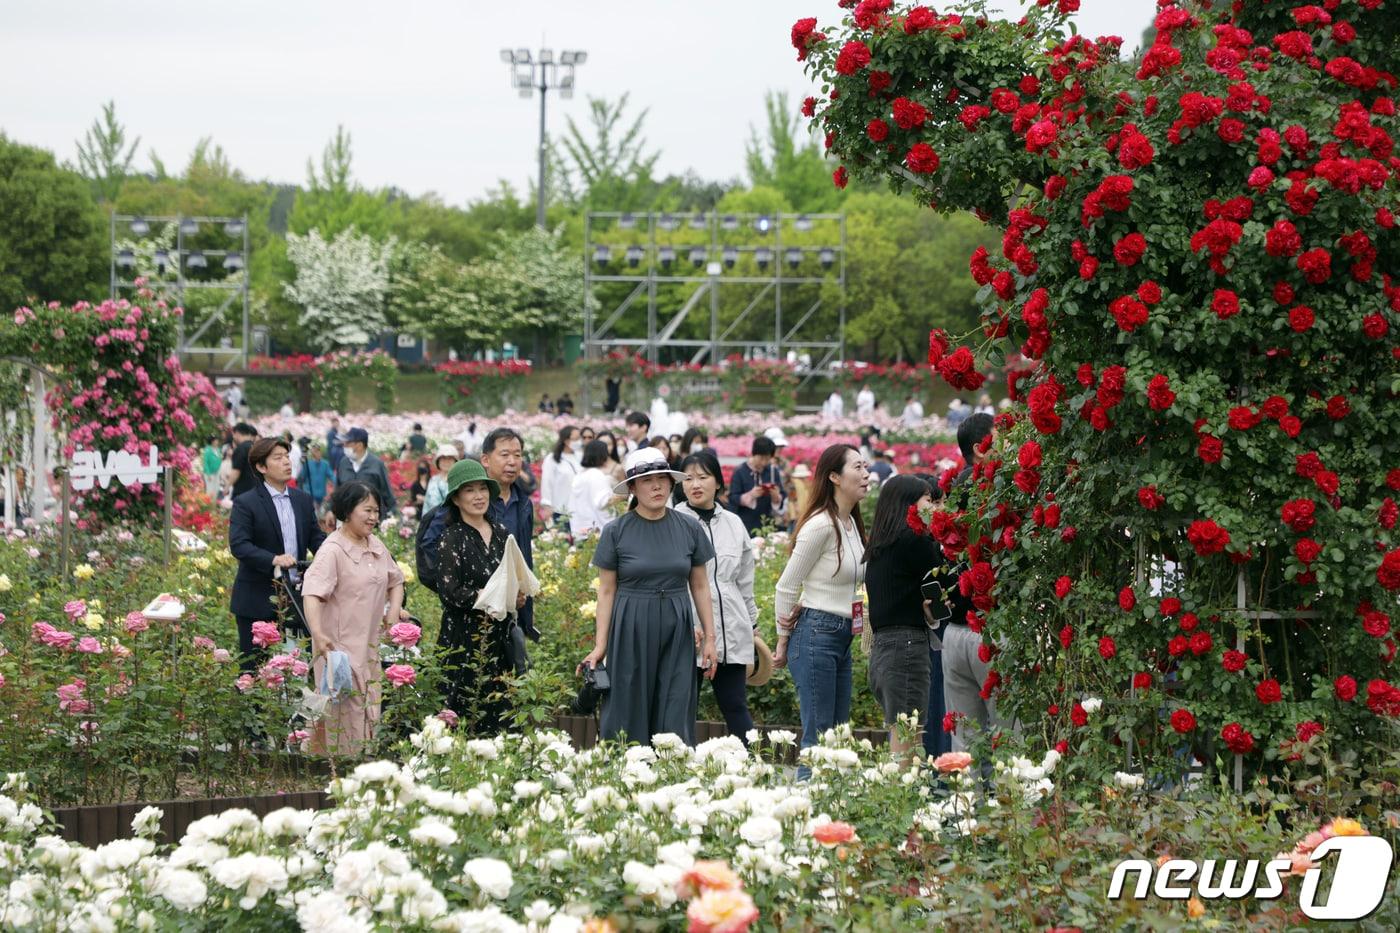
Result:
x=643 y=462
x=777 y=436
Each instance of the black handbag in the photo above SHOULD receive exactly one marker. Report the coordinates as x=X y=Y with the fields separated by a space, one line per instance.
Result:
x=516 y=654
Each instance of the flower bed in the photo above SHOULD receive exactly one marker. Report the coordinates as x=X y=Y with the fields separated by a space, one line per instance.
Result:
x=526 y=833
x=330 y=377
x=469 y=385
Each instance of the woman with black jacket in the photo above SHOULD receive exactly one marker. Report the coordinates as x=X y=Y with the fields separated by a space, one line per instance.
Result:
x=898 y=560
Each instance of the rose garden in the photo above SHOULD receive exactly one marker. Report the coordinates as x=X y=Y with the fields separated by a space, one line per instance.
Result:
x=1179 y=546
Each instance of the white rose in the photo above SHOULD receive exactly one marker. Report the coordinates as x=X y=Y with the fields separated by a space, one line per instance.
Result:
x=524 y=790
x=147 y=822
x=677 y=854
x=760 y=830
x=327 y=912
x=181 y=888
x=288 y=821
x=492 y=876
x=1091 y=705
x=433 y=832
x=1128 y=781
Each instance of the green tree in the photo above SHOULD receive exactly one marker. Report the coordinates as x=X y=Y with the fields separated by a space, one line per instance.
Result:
x=331 y=202
x=789 y=159
x=906 y=272
x=607 y=166
x=53 y=238
x=103 y=155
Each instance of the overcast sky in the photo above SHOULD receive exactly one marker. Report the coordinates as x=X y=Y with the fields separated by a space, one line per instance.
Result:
x=419 y=83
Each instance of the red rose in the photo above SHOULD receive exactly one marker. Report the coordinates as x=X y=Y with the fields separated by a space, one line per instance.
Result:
x=1298 y=514
x=959 y=370
x=1201 y=643
x=1375 y=326
x=1159 y=396
x=1260 y=177
x=1062 y=587
x=878 y=81
x=1275 y=406
x=854 y=56
x=1316 y=265
x=1041 y=135
x=1142 y=681
x=1388 y=573
x=1189 y=620
x=1088 y=267
x=1149 y=292
x=1283 y=293
x=1127 y=311
x=1338 y=407
x=972 y=116
x=1308 y=729
x=1107 y=649
x=1149 y=498
x=1233 y=661
x=878 y=130
x=1382 y=699
x=1077 y=715
x=1210 y=449
x=1128 y=250
x=1345 y=688
x=1268 y=691
x=915 y=521
x=950 y=721
x=1127 y=599
x=1178 y=646
x=908 y=114
x=1388 y=513
x=918 y=19
x=1182 y=721
x=1207 y=537
x=1392 y=479
x=1374 y=622
x=1300 y=318
x=804 y=35
x=937 y=346
x=1225 y=303
x=1242 y=418
x=1307 y=465
x=1237 y=739
x=921 y=159
x=1066 y=636
x=1169 y=606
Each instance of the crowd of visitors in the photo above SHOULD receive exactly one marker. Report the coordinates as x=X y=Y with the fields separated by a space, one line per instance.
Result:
x=676 y=605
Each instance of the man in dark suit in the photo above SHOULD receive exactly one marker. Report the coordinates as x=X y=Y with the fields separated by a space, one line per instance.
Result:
x=272 y=525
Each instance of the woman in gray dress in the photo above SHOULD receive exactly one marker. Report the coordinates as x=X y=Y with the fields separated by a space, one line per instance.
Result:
x=651 y=565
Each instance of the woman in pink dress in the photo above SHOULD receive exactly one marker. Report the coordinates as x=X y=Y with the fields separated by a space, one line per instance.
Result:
x=345 y=591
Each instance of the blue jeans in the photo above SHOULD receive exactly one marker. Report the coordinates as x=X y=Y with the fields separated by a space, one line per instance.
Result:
x=936 y=741
x=820 y=658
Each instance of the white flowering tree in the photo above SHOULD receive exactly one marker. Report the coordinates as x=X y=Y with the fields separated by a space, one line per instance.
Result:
x=341 y=285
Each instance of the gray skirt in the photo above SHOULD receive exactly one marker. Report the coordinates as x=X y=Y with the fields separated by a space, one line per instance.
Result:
x=651 y=663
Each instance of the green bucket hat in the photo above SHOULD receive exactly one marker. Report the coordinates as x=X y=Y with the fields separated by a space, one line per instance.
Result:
x=470 y=471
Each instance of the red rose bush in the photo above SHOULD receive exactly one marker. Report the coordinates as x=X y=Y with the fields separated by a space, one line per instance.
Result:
x=1198 y=280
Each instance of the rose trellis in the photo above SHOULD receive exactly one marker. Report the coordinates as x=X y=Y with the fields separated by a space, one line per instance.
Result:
x=1190 y=512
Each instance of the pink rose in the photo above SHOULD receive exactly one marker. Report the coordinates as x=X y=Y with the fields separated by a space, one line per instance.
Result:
x=75 y=609
x=89 y=645
x=244 y=683
x=400 y=675
x=58 y=639
x=40 y=631
x=834 y=833
x=948 y=762
x=203 y=644
x=136 y=622
x=221 y=656
x=447 y=716
x=265 y=633
x=405 y=634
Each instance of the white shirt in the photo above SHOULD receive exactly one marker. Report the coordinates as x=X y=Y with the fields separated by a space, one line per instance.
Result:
x=295 y=456
x=865 y=402
x=812 y=577
x=286 y=411
x=834 y=408
x=471 y=442
x=588 y=501
x=913 y=414
x=557 y=480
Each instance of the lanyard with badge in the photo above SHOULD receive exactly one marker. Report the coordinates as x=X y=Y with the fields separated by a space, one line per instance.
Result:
x=857 y=600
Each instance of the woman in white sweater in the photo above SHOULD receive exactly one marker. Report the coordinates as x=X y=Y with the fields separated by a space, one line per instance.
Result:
x=561 y=466
x=818 y=602
x=732 y=603
x=591 y=492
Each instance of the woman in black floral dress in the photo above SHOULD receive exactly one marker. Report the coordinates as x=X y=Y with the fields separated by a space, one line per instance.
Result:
x=471 y=550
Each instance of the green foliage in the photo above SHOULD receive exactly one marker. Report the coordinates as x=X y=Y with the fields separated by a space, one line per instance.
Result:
x=53 y=238
x=790 y=160
x=331 y=202
x=100 y=155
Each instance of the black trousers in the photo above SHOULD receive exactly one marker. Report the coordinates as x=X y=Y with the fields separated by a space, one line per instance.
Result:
x=249 y=654
x=731 y=693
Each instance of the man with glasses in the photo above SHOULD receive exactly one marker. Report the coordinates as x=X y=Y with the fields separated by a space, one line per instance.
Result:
x=503 y=455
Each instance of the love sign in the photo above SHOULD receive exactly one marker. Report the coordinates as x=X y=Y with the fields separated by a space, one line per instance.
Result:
x=89 y=466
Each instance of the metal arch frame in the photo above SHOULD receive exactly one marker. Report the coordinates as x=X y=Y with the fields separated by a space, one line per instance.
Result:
x=187 y=345
x=596 y=336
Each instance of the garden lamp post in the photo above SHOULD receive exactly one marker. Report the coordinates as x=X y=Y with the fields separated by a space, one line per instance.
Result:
x=529 y=74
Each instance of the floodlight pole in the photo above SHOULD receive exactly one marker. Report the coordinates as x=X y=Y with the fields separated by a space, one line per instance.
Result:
x=530 y=73
x=539 y=206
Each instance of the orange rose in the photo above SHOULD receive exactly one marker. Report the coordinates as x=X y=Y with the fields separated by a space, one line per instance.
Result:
x=948 y=762
x=834 y=833
x=721 y=911
x=708 y=876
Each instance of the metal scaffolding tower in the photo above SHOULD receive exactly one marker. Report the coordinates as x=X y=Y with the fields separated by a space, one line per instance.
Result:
x=759 y=255
x=183 y=265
